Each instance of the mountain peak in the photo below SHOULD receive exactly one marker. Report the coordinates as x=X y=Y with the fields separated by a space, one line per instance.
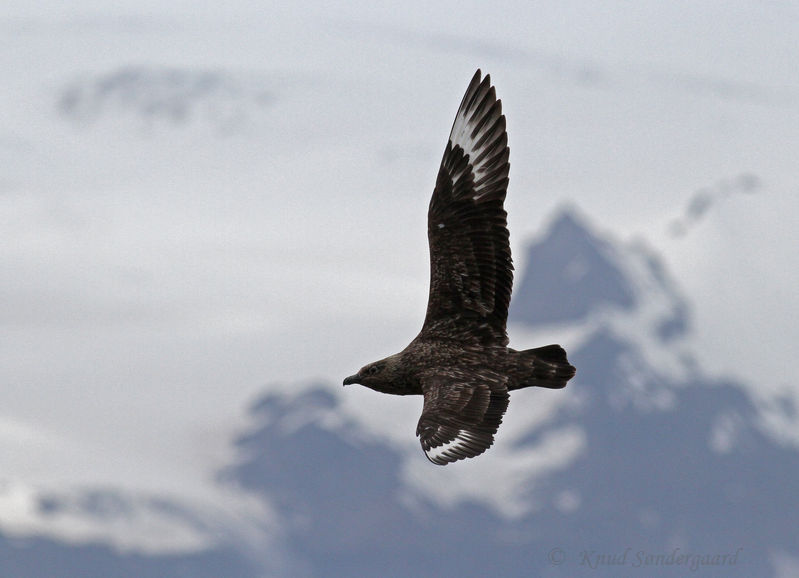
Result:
x=570 y=272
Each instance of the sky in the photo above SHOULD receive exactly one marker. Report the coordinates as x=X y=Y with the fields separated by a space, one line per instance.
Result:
x=163 y=266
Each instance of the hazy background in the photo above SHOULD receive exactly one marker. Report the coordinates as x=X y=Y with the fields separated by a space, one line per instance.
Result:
x=201 y=202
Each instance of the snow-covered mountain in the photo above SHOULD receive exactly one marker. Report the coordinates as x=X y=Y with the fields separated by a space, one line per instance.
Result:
x=644 y=463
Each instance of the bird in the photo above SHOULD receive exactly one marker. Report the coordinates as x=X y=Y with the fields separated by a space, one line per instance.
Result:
x=460 y=361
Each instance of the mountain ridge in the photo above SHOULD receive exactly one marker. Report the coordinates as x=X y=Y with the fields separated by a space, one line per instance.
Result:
x=668 y=468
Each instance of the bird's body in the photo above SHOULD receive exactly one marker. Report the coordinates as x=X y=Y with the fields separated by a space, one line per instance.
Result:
x=460 y=361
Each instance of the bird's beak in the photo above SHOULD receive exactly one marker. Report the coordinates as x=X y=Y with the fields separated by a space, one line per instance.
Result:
x=351 y=379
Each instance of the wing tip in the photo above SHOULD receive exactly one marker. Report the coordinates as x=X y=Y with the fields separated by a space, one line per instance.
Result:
x=480 y=129
x=466 y=443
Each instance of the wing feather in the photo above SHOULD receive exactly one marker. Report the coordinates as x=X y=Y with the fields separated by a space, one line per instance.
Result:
x=471 y=271
x=461 y=414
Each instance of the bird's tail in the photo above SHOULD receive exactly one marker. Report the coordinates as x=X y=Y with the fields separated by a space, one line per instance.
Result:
x=542 y=367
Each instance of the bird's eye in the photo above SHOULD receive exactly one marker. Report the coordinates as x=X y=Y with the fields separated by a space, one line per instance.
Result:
x=373 y=369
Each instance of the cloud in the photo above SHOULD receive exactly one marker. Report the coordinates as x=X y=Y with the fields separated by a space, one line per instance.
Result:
x=703 y=200
x=165 y=95
x=132 y=521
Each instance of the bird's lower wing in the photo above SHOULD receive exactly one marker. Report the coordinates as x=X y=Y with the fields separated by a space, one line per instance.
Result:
x=461 y=414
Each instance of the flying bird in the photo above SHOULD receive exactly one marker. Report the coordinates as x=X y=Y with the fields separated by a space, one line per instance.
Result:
x=460 y=361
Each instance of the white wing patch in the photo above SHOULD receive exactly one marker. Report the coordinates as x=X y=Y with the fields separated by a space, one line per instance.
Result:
x=451 y=450
x=478 y=127
x=461 y=135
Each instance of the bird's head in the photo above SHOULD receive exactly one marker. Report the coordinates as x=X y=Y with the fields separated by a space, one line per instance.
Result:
x=379 y=375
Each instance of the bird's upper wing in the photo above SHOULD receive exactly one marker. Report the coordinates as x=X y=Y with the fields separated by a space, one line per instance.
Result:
x=461 y=414
x=471 y=273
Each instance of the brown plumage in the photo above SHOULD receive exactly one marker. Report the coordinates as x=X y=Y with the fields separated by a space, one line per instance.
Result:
x=460 y=361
